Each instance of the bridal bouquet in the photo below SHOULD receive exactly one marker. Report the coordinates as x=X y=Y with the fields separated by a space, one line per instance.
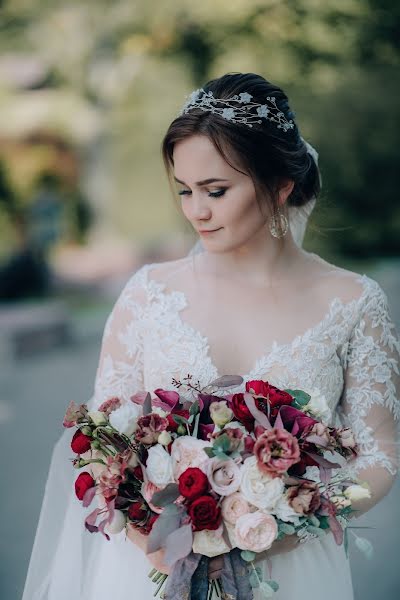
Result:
x=206 y=473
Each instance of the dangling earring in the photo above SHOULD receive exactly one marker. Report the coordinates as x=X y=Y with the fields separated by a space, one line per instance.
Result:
x=278 y=224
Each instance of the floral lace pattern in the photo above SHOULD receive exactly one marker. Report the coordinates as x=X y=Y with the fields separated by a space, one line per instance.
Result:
x=351 y=356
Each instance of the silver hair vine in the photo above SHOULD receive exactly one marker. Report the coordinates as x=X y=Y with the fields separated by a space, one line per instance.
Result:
x=237 y=109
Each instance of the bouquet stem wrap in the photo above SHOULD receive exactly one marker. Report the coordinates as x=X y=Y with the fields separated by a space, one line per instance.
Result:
x=188 y=579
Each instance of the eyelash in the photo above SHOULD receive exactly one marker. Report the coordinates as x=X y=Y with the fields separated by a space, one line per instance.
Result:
x=217 y=194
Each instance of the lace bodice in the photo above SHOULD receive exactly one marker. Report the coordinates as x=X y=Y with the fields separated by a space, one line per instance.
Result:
x=351 y=356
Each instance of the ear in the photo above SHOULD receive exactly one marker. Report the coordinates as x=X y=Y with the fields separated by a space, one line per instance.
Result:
x=285 y=190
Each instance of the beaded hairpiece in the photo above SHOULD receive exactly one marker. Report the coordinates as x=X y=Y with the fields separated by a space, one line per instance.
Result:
x=238 y=109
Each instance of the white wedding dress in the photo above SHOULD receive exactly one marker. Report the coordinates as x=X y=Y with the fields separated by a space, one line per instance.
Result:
x=351 y=355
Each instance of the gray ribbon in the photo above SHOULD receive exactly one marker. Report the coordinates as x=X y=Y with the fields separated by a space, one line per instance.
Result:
x=188 y=579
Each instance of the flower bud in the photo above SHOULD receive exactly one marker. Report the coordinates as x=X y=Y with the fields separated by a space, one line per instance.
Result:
x=164 y=438
x=98 y=417
x=357 y=492
x=96 y=444
x=181 y=430
x=117 y=524
x=86 y=430
x=220 y=413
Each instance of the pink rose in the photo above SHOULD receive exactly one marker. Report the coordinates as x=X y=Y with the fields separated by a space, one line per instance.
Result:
x=224 y=476
x=187 y=451
x=276 y=451
x=147 y=491
x=233 y=507
x=255 y=531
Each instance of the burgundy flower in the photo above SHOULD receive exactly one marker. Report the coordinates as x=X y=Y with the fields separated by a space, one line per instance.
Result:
x=83 y=483
x=149 y=525
x=275 y=397
x=205 y=513
x=304 y=498
x=149 y=428
x=172 y=424
x=80 y=442
x=193 y=483
x=241 y=411
x=137 y=512
x=276 y=451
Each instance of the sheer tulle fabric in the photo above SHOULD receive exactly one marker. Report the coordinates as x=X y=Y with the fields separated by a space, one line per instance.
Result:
x=351 y=354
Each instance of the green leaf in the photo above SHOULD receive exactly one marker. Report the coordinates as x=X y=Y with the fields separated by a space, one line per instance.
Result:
x=254 y=581
x=346 y=542
x=316 y=530
x=209 y=451
x=314 y=521
x=180 y=420
x=273 y=584
x=194 y=408
x=323 y=523
x=266 y=590
x=301 y=398
x=247 y=555
x=222 y=442
x=286 y=529
x=166 y=496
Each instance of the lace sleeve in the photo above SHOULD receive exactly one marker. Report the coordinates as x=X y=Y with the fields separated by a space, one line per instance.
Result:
x=370 y=402
x=120 y=368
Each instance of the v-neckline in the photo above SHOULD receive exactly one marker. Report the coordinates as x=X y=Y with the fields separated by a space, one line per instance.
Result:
x=274 y=347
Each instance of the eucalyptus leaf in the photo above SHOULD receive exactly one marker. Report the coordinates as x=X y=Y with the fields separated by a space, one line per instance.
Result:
x=147 y=405
x=178 y=544
x=286 y=528
x=168 y=521
x=266 y=590
x=273 y=584
x=314 y=521
x=346 y=542
x=166 y=496
x=222 y=443
x=247 y=555
x=254 y=581
x=315 y=530
x=209 y=451
x=227 y=381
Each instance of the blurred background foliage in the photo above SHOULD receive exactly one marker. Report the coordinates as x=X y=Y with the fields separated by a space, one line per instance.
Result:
x=88 y=89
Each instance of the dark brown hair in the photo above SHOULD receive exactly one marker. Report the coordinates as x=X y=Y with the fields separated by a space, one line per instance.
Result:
x=270 y=156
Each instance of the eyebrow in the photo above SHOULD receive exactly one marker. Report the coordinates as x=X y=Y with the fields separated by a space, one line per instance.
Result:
x=203 y=182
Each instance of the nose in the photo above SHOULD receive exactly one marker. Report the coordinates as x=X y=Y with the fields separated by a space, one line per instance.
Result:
x=200 y=208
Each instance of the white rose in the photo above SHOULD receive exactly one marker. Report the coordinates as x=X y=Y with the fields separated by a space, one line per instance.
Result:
x=159 y=466
x=318 y=406
x=187 y=451
x=124 y=418
x=260 y=489
x=117 y=524
x=210 y=543
x=285 y=512
x=357 y=492
x=98 y=417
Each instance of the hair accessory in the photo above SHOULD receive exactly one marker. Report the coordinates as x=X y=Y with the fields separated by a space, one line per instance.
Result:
x=278 y=224
x=238 y=109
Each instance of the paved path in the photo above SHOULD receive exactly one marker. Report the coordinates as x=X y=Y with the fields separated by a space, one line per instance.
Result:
x=34 y=394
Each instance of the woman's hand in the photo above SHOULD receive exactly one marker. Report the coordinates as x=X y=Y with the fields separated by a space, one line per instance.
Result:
x=156 y=558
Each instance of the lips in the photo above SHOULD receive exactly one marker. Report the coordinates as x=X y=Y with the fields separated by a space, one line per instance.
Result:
x=209 y=230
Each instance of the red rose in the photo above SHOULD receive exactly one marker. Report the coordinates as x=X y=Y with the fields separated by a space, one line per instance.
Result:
x=137 y=512
x=205 y=513
x=276 y=397
x=241 y=411
x=193 y=483
x=80 y=443
x=83 y=483
x=172 y=424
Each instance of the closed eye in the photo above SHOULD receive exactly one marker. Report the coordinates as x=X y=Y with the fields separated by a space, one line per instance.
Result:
x=216 y=194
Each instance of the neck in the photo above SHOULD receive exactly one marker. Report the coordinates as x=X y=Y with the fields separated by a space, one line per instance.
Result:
x=265 y=261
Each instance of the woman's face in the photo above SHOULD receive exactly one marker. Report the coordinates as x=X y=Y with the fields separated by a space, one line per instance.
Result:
x=227 y=205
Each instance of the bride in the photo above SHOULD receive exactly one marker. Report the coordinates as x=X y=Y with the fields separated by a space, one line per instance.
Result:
x=250 y=301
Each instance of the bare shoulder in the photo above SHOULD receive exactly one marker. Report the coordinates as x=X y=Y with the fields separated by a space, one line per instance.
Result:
x=163 y=272
x=335 y=281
